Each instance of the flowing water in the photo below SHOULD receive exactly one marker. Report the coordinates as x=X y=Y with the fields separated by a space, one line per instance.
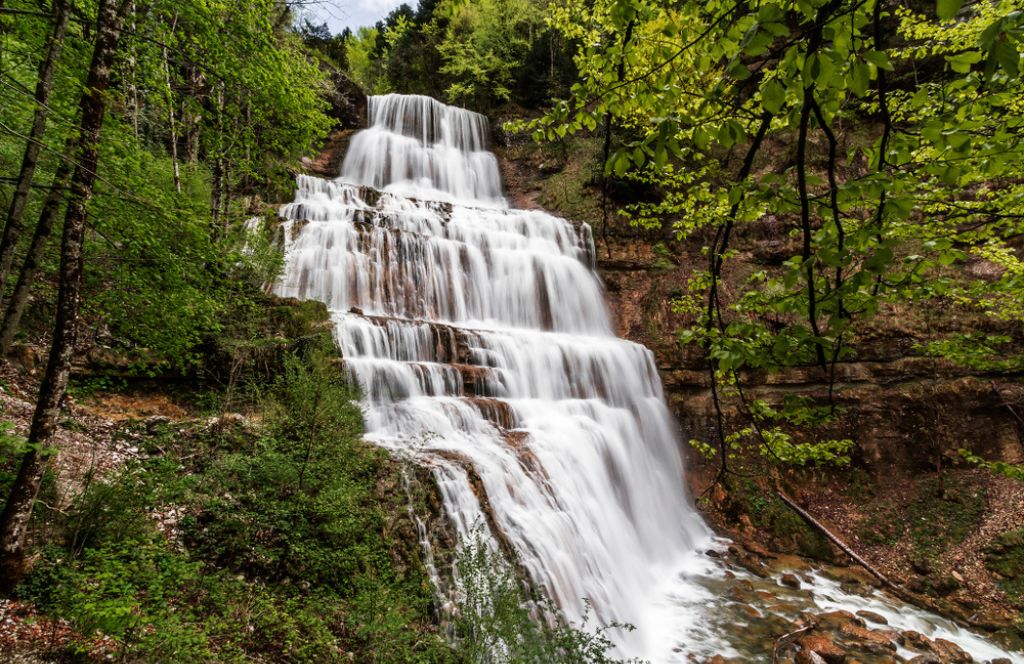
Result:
x=482 y=341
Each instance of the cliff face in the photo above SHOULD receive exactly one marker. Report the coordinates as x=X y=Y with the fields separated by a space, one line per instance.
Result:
x=907 y=502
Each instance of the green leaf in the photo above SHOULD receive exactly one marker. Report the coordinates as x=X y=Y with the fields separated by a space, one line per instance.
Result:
x=859 y=79
x=878 y=59
x=961 y=63
x=947 y=9
x=773 y=96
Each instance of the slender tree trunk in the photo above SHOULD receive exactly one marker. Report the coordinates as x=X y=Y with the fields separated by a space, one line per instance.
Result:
x=27 y=276
x=17 y=512
x=44 y=86
x=170 y=111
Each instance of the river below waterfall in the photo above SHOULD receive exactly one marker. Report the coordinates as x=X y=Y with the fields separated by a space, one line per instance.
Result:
x=484 y=348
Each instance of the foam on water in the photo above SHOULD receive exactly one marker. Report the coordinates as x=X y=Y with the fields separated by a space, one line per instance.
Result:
x=482 y=341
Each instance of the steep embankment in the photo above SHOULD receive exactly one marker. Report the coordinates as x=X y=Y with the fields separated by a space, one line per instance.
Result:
x=230 y=513
x=906 y=503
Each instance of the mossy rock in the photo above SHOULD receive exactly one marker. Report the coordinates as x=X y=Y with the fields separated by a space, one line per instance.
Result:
x=1005 y=558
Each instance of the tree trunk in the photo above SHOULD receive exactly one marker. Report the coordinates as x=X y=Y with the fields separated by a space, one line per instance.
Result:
x=27 y=276
x=170 y=111
x=44 y=86
x=17 y=512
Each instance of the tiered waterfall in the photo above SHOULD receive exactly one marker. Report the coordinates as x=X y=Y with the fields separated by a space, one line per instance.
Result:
x=482 y=341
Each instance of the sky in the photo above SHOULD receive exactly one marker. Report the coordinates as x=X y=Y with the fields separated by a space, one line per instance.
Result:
x=341 y=14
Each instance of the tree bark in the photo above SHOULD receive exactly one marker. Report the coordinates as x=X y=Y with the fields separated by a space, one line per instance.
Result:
x=17 y=512
x=29 y=268
x=44 y=86
x=171 y=123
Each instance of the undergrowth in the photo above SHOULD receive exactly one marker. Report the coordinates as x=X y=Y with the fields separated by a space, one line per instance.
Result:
x=273 y=538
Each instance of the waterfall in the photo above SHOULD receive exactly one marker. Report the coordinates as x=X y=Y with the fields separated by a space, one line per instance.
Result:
x=483 y=345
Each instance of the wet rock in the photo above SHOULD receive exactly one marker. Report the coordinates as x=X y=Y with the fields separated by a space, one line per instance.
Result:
x=877 y=642
x=854 y=576
x=873 y=617
x=917 y=641
x=950 y=652
x=1000 y=660
x=790 y=580
x=750 y=611
x=758 y=550
x=836 y=620
x=821 y=645
x=808 y=657
x=924 y=659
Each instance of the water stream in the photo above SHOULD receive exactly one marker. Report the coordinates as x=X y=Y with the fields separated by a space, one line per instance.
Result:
x=482 y=341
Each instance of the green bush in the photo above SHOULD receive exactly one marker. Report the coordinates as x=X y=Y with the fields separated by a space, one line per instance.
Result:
x=501 y=622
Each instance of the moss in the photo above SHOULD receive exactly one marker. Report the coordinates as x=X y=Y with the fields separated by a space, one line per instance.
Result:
x=945 y=511
x=769 y=514
x=1005 y=558
x=882 y=527
x=568 y=190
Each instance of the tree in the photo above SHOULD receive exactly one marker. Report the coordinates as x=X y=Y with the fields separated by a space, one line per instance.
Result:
x=700 y=91
x=483 y=46
x=34 y=143
x=18 y=509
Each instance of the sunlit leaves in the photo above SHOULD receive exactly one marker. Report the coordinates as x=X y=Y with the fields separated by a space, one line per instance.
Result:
x=913 y=203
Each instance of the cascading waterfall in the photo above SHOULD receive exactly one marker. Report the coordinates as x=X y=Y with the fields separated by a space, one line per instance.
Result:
x=482 y=341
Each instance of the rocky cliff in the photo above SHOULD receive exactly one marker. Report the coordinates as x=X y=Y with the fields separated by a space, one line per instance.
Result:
x=907 y=502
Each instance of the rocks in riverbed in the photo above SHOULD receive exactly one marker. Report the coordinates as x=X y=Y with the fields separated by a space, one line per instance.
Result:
x=790 y=580
x=872 y=617
x=948 y=651
x=819 y=646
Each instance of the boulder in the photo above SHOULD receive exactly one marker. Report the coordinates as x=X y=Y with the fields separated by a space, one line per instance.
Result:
x=873 y=617
x=950 y=652
x=823 y=646
x=790 y=580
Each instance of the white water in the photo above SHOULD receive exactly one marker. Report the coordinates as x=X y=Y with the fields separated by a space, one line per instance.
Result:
x=484 y=347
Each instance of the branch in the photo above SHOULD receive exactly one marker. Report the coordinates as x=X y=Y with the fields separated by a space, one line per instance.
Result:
x=838 y=542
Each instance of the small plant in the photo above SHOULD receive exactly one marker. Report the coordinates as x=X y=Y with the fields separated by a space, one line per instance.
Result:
x=500 y=620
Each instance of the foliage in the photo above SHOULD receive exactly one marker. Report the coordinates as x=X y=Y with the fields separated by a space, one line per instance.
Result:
x=201 y=127
x=885 y=139
x=271 y=542
x=484 y=44
x=478 y=53
x=1013 y=471
x=499 y=621
x=299 y=504
x=364 y=68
